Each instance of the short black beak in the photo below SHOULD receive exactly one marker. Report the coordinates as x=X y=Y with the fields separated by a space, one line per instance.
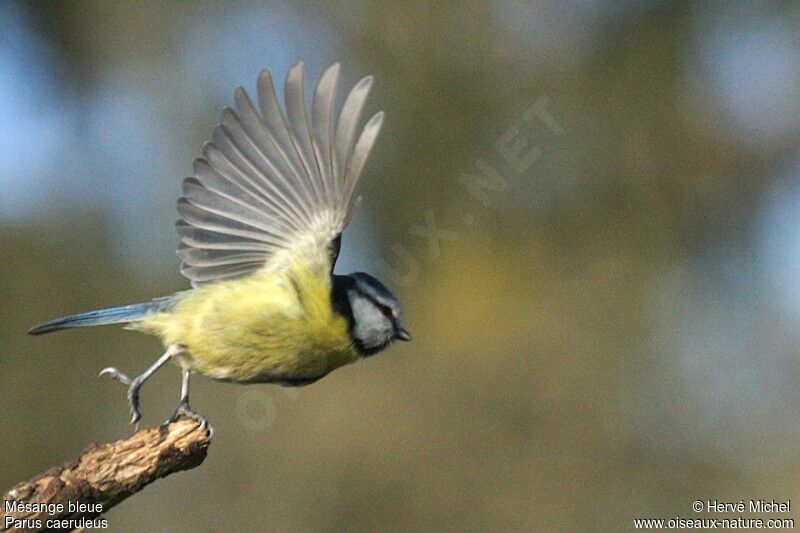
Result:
x=403 y=335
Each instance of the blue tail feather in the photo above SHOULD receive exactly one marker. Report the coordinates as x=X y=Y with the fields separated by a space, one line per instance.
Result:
x=101 y=317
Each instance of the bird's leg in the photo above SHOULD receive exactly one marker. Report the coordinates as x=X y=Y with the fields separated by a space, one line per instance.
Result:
x=183 y=406
x=184 y=388
x=136 y=383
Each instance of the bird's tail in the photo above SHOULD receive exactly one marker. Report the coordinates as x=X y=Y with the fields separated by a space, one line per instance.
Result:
x=101 y=317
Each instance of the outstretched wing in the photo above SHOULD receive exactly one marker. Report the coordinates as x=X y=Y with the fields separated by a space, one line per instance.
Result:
x=271 y=187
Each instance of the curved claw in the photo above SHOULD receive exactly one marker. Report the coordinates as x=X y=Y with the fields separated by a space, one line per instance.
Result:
x=115 y=373
x=133 y=400
x=184 y=410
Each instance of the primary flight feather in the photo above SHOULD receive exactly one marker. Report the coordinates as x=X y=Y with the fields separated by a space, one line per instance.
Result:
x=260 y=227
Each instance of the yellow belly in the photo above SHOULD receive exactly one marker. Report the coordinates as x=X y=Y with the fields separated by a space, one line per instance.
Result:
x=266 y=327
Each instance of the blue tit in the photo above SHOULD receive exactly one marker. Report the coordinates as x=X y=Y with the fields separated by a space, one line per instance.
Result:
x=260 y=226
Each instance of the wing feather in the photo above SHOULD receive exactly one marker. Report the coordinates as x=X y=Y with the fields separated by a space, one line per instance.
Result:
x=272 y=186
x=234 y=209
x=238 y=164
x=322 y=119
x=261 y=136
x=275 y=121
x=294 y=97
x=216 y=240
x=202 y=218
x=203 y=257
x=202 y=275
x=348 y=121
x=254 y=154
x=227 y=186
x=358 y=159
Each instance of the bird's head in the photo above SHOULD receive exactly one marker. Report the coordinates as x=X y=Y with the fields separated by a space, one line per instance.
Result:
x=376 y=315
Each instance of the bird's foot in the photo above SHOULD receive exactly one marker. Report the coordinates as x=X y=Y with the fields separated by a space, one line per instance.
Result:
x=184 y=410
x=133 y=391
x=136 y=383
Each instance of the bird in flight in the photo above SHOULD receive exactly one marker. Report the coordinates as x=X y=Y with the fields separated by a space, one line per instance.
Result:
x=260 y=225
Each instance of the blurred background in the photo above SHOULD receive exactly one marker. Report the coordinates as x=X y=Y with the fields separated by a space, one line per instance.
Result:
x=591 y=212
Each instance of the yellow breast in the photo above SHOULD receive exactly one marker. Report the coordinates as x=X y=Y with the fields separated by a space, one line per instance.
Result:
x=265 y=327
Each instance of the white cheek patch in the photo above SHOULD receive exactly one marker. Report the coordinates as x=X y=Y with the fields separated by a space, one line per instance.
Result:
x=371 y=327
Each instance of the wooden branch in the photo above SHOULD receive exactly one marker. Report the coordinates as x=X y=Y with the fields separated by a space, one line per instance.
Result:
x=81 y=490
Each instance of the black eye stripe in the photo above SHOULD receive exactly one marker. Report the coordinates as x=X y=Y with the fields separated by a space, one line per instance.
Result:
x=385 y=309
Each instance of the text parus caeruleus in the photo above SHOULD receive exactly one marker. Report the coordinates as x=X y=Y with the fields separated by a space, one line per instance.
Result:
x=260 y=227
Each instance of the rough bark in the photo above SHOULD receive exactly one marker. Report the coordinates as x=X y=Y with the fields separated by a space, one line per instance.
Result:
x=102 y=476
